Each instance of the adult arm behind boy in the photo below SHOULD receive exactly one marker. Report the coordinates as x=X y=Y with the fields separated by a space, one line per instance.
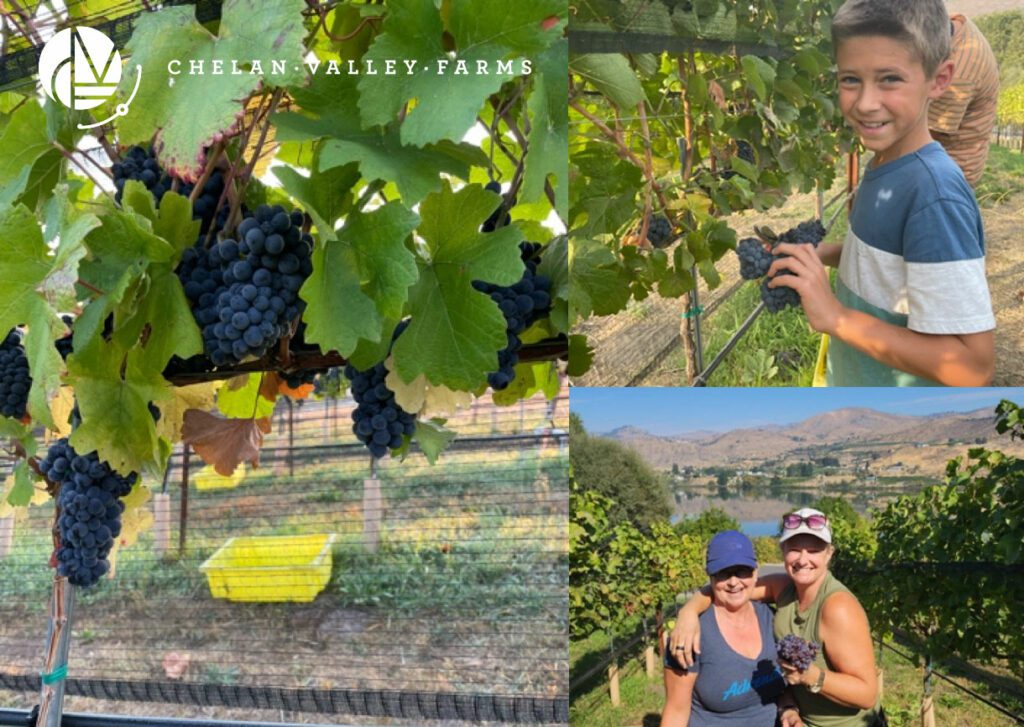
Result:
x=950 y=359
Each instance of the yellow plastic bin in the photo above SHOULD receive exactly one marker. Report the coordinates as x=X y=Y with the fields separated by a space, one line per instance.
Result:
x=273 y=568
x=209 y=479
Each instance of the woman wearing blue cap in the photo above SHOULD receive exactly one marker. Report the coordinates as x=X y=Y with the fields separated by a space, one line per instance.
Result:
x=734 y=680
x=840 y=687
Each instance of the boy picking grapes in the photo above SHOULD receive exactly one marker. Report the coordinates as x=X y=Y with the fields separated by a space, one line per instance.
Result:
x=912 y=305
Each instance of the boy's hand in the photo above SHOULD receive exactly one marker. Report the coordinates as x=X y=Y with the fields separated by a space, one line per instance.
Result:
x=805 y=274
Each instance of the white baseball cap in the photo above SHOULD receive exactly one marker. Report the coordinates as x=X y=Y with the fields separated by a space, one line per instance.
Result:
x=806 y=520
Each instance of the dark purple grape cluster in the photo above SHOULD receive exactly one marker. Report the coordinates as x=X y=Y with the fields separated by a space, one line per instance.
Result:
x=745 y=151
x=64 y=343
x=378 y=421
x=245 y=291
x=90 y=510
x=295 y=379
x=497 y=219
x=522 y=303
x=796 y=651
x=755 y=258
x=141 y=164
x=809 y=232
x=15 y=380
x=659 y=232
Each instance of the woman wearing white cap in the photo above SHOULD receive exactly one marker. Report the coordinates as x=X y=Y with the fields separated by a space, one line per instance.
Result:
x=735 y=680
x=840 y=687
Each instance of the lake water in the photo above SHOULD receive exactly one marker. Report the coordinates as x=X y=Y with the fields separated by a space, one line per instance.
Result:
x=755 y=528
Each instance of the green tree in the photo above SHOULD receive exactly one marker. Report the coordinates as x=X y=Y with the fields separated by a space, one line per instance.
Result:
x=705 y=525
x=576 y=428
x=638 y=494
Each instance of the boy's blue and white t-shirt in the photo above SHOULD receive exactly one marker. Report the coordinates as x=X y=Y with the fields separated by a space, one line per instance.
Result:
x=914 y=256
x=730 y=688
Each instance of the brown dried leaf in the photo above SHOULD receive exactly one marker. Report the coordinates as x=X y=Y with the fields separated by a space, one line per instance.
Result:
x=237 y=382
x=224 y=443
x=301 y=392
x=270 y=385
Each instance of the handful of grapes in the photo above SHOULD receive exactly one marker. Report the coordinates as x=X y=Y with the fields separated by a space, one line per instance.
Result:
x=796 y=651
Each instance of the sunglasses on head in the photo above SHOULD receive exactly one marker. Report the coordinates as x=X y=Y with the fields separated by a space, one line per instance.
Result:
x=740 y=571
x=814 y=522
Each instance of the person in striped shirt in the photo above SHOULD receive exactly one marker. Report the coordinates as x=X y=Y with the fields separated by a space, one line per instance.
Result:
x=963 y=117
x=912 y=306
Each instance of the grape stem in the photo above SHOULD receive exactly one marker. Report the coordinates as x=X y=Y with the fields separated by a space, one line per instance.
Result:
x=211 y=163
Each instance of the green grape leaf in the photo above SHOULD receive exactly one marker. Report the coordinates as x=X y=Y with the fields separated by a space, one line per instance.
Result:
x=555 y=265
x=611 y=74
x=329 y=111
x=174 y=223
x=21 y=490
x=24 y=141
x=113 y=392
x=598 y=282
x=240 y=398
x=121 y=249
x=163 y=307
x=549 y=131
x=189 y=114
x=759 y=74
x=369 y=353
x=456 y=331
x=416 y=172
x=359 y=278
x=25 y=267
x=581 y=355
x=433 y=437
x=325 y=195
x=68 y=227
x=45 y=326
x=446 y=103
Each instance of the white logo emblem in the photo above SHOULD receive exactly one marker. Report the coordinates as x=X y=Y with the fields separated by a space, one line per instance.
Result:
x=80 y=68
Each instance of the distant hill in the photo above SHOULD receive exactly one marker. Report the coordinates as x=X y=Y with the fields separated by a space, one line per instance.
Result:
x=893 y=436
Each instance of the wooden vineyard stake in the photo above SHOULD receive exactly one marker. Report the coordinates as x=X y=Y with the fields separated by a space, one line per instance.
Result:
x=373 y=510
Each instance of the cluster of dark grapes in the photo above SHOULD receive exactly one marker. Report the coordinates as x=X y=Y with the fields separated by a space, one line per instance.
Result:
x=755 y=258
x=90 y=510
x=63 y=344
x=745 y=151
x=806 y=233
x=140 y=164
x=659 y=232
x=245 y=291
x=796 y=651
x=15 y=380
x=497 y=219
x=378 y=421
x=522 y=303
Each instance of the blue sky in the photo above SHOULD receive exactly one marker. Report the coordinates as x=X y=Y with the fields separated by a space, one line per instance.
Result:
x=678 y=410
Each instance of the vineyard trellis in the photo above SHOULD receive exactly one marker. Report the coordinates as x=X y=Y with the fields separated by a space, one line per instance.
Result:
x=717 y=79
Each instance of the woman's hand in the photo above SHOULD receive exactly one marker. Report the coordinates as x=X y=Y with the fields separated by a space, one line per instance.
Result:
x=794 y=676
x=804 y=272
x=684 y=641
x=790 y=718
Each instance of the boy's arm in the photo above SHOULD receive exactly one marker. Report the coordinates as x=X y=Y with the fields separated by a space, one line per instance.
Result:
x=953 y=360
x=829 y=253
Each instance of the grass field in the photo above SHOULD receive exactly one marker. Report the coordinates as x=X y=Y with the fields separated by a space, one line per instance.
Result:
x=642 y=698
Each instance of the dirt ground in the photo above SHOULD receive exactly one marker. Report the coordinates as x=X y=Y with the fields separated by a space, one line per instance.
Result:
x=639 y=346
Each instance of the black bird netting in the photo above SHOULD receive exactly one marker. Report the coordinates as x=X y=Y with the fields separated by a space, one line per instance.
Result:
x=315 y=585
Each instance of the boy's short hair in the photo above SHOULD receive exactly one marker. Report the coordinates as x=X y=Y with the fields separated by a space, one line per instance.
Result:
x=923 y=25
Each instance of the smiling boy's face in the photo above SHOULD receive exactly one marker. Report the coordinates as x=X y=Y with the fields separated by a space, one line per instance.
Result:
x=884 y=94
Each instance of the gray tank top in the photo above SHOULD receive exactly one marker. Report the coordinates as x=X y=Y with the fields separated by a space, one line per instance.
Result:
x=732 y=689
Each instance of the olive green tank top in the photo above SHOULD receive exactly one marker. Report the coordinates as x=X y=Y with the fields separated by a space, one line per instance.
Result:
x=817 y=710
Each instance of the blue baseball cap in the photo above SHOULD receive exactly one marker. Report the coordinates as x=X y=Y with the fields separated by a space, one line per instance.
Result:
x=729 y=548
